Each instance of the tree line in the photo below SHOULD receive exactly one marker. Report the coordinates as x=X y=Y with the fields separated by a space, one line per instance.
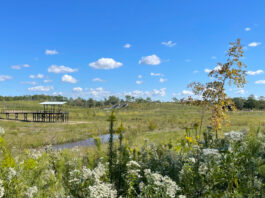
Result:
x=241 y=103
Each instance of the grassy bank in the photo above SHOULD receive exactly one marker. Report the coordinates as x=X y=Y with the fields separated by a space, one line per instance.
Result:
x=154 y=121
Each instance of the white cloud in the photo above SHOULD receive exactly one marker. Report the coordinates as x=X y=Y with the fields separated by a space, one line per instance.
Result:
x=169 y=43
x=187 y=60
x=139 y=82
x=77 y=89
x=98 y=92
x=29 y=82
x=57 y=93
x=195 y=71
x=260 y=82
x=140 y=76
x=156 y=74
x=213 y=57
x=41 y=88
x=69 y=79
x=61 y=69
x=240 y=91
x=4 y=78
x=253 y=73
x=39 y=76
x=218 y=67
x=127 y=45
x=254 y=44
x=51 y=52
x=187 y=92
x=150 y=60
x=155 y=92
x=17 y=67
x=247 y=29
x=162 y=80
x=105 y=63
x=98 y=80
x=48 y=81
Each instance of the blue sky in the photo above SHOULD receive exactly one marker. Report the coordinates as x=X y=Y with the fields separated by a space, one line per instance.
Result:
x=153 y=48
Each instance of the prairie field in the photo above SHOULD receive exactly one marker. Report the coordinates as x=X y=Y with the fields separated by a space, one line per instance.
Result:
x=156 y=122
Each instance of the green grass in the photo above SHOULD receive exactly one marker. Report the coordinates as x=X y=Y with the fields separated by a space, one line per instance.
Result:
x=169 y=119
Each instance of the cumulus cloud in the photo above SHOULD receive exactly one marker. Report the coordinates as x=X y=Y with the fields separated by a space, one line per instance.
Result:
x=4 y=78
x=253 y=73
x=127 y=45
x=41 y=88
x=29 y=82
x=260 y=82
x=17 y=67
x=218 y=67
x=155 y=92
x=51 y=52
x=48 y=81
x=161 y=80
x=187 y=92
x=247 y=29
x=69 y=79
x=168 y=43
x=98 y=92
x=240 y=91
x=140 y=76
x=139 y=82
x=150 y=60
x=39 y=76
x=254 y=44
x=105 y=63
x=156 y=74
x=77 y=89
x=57 y=93
x=98 y=80
x=61 y=69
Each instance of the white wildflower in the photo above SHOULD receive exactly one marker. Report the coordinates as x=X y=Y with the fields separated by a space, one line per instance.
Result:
x=99 y=171
x=2 y=189
x=102 y=190
x=234 y=136
x=210 y=152
x=31 y=191
x=192 y=159
x=159 y=183
x=35 y=154
x=133 y=164
x=2 y=131
x=182 y=196
x=86 y=172
x=11 y=173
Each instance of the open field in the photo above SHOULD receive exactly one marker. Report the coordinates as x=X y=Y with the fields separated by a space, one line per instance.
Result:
x=157 y=122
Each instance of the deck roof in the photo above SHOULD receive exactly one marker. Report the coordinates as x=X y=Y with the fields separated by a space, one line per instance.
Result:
x=52 y=103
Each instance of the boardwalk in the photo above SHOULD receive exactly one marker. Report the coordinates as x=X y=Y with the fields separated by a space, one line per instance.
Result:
x=52 y=112
x=35 y=116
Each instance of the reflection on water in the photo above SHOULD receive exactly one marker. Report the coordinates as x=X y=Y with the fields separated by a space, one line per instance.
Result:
x=83 y=143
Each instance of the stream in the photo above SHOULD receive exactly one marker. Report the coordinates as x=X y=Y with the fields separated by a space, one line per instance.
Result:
x=83 y=143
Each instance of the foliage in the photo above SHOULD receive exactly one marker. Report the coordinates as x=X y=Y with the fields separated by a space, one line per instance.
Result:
x=213 y=92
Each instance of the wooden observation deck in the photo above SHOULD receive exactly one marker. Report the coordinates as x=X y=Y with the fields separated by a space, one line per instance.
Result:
x=52 y=112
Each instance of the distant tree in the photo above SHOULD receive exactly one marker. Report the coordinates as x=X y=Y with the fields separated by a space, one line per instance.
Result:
x=175 y=99
x=113 y=100
x=128 y=98
x=239 y=103
x=251 y=103
x=214 y=93
x=148 y=99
